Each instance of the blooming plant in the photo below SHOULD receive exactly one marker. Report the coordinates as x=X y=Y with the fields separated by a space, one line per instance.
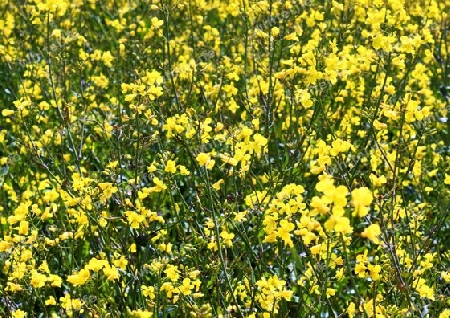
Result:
x=224 y=159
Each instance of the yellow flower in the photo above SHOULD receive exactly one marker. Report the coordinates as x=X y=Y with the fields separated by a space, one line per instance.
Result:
x=319 y=205
x=44 y=267
x=342 y=225
x=95 y=264
x=19 y=314
x=361 y=199
x=148 y=291
x=107 y=190
x=168 y=287
x=204 y=159
x=351 y=310
x=446 y=276
x=121 y=263
x=284 y=232
x=79 y=279
x=55 y=280
x=316 y=249
x=23 y=228
x=134 y=219
x=159 y=185
x=13 y=287
x=291 y=37
x=165 y=247
x=107 y=58
x=447 y=179
x=377 y=181
x=140 y=314
x=259 y=142
x=7 y=112
x=186 y=287
x=151 y=168
x=170 y=166
x=423 y=289
x=51 y=301
x=227 y=238
x=156 y=23
x=172 y=272
x=372 y=232
x=216 y=185
x=374 y=271
x=325 y=185
x=183 y=170
x=111 y=272
x=37 y=279
x=337 y=5
x=240 y=216
x=213 y=245
x=227 y=159
x=331 y=292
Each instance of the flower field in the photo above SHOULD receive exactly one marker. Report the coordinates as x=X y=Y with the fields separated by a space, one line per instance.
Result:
x=210 y=158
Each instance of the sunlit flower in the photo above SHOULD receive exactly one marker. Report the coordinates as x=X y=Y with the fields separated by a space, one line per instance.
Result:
x=372 y=232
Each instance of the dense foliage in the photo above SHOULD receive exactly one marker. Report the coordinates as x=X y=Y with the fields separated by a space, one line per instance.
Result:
x=224 y=158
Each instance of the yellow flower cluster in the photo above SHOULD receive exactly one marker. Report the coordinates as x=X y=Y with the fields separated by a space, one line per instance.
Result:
x=224 y=158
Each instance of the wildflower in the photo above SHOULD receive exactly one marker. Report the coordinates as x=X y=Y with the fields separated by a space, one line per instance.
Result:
x=79 y=279
x=156 y=23
x=107 y=190
x=107 y=58
x=284 y=232
x=170 y=166
x=159 y=185
x=361 y=199
x=423 y=289
x=213 y=245
x=216 y=185
x=204 y=159
x=183 y=170
x=271 y=292
x=23 y=228
x=372 y=232
x=54 y=280
x=51 y=301
x=37 y=279
x=227 y=159
x=13 y=287
x=240 y=216
x=138 y=313
x=227 y=238
x=172 y=272
x=374 y=271
x=7 y=112
x=19 y=314
x=340 y=224
x=121 y=263
x=185 y=288
x=351 y=310
x=377 y=181
x=168 y=288
x=96 y=265
x=134 y=219
x=111 y=272
x=445 y=276
x=331 y=292
x=291 y=37
x=148 y=291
